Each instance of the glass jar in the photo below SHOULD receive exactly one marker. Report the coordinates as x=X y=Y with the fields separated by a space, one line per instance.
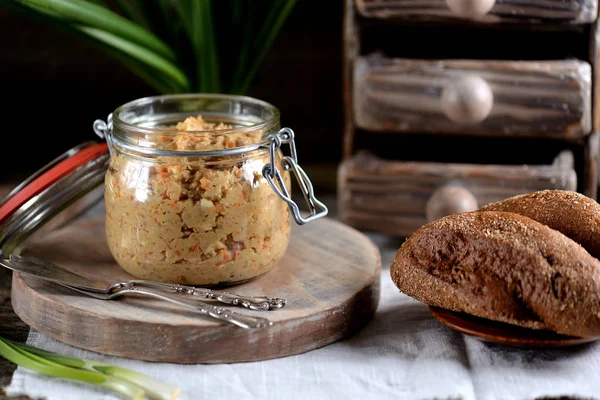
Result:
x=197 y=191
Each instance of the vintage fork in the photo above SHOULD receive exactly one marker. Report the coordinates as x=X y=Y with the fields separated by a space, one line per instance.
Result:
x=201 y=307
x=53 y=272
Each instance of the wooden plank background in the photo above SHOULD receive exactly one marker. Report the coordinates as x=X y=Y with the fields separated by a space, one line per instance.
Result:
x=534 y=11
x=530 y=98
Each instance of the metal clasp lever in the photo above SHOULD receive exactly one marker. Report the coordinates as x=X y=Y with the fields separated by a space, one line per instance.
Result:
x=104 y=130
x=290 y=163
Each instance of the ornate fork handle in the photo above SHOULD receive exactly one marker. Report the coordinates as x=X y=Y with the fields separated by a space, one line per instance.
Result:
x=259 y=303
x=253 y=303
x=219 y=313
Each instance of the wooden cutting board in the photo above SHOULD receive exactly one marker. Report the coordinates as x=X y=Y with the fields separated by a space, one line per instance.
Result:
x=329 y=275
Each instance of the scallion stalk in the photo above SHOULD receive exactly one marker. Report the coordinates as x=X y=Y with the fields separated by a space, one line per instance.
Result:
x=153 y=388
x=130 y=384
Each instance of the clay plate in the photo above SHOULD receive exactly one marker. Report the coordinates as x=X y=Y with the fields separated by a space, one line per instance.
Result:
x=505 y=334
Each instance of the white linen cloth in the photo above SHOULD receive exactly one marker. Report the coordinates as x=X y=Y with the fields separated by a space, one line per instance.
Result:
x=402 y=354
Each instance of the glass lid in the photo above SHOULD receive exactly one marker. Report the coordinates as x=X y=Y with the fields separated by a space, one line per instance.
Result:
x=53 y=195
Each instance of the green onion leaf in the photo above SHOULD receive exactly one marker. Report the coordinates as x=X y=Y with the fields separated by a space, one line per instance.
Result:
x=266 y=38
x=25 y=359
x=153 y=388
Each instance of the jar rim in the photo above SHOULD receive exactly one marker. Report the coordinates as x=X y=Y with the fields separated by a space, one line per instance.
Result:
x=118 y=121
x=131 y=136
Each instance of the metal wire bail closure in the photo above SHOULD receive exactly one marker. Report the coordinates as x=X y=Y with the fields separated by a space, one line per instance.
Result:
x=290 y=163
x=270 y=171
x=104 y=130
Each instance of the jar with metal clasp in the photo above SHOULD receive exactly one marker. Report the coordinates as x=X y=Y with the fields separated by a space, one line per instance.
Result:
x=197 y=190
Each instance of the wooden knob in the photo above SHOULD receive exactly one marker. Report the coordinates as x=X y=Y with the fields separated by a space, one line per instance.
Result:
x=468 y=100
x=449 y=200
x=471 y=9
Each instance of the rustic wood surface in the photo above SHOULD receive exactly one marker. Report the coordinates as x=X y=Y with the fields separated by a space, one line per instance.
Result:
x=329 y=275
x=393 y=196
x=591 y=159
x=532 y=11
x=535 y=99
x=595 y=60
x=350 y=50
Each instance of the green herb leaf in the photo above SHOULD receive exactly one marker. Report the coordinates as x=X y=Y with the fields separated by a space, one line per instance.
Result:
x=277 y=16
x=198 y=22
x=142 y=54
x=99 y=17
x=247 y=41
x=132 y=10
x=175 y=45
x=211 y=56
x=150 y=76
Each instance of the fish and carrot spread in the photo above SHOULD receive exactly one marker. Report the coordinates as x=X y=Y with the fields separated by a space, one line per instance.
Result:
x=192 y=220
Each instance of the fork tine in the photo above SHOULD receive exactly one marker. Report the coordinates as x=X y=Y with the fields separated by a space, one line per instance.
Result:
x=97 y=295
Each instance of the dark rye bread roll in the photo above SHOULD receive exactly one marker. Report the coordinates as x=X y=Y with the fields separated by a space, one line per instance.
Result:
x=571 y=213
x=504 y=267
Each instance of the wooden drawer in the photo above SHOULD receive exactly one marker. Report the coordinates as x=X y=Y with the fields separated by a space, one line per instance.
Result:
x=396 y=197
x=485 y=11
x=490 y=98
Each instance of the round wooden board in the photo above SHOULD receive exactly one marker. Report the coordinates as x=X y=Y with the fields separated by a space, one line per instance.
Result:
x=504 y=334
x=329 y=275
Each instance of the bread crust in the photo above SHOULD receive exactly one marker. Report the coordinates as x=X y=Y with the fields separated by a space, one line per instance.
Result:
x=575 y=215
x=504 y=267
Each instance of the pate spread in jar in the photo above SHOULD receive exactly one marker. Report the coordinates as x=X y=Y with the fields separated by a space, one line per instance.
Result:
x=197 y=190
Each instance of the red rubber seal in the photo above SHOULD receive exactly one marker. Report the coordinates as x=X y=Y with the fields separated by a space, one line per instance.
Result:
x=50 y=177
